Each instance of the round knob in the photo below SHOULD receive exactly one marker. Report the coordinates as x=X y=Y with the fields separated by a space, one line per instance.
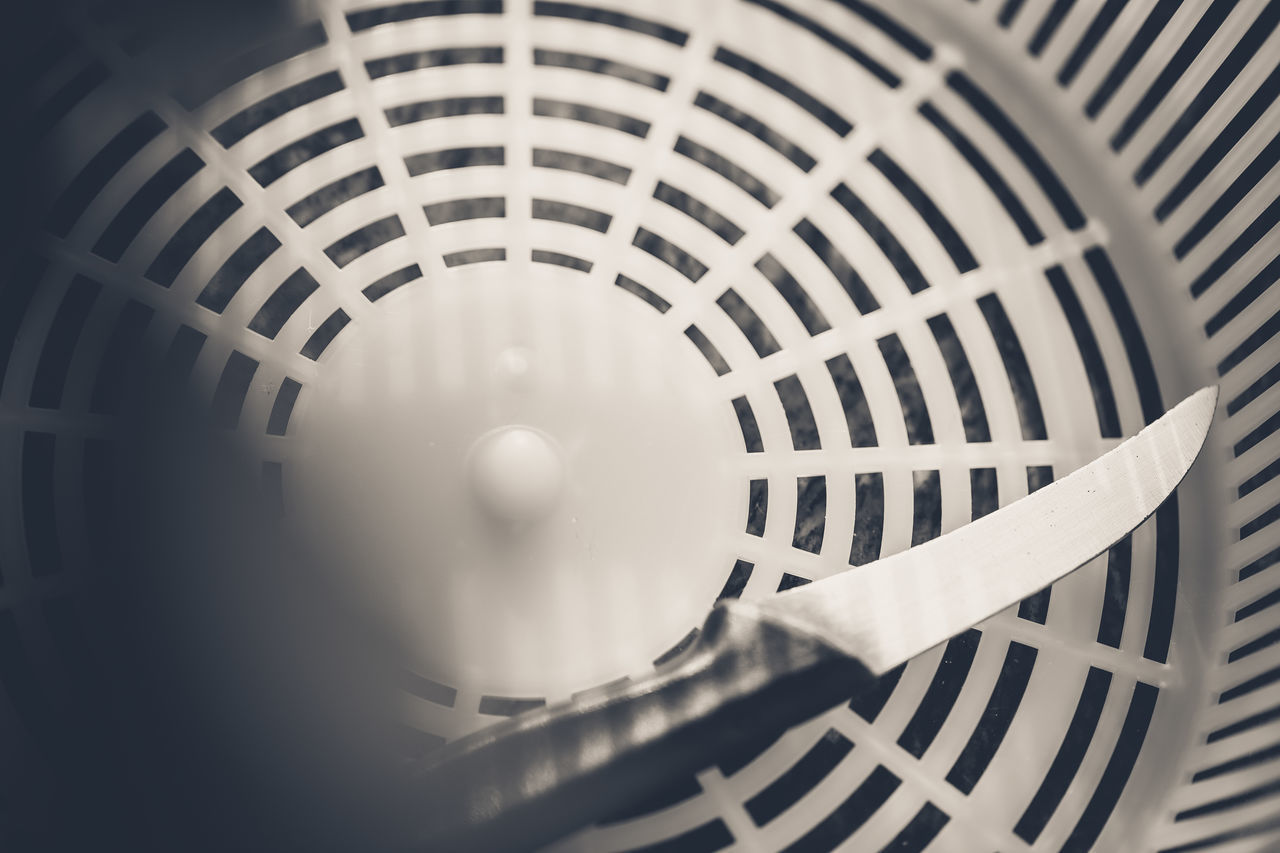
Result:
x=516 y=474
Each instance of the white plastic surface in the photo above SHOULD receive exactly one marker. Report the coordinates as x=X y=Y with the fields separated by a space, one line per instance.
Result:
x=573 y=417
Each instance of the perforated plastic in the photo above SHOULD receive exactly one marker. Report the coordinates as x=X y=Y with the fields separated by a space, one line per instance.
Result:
x=778 y=280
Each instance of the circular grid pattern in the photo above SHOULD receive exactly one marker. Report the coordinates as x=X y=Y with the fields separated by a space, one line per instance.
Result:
x=896 y=294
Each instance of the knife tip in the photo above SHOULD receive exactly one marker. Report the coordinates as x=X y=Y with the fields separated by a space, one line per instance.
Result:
x=1204 y=403
x=1192 y=419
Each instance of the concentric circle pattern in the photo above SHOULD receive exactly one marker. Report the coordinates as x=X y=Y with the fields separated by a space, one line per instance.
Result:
x=904 y=274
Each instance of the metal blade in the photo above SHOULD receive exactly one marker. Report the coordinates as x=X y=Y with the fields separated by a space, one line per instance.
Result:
x=889 y=611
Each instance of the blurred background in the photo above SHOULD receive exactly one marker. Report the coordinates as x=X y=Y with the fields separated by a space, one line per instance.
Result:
x=777 y=287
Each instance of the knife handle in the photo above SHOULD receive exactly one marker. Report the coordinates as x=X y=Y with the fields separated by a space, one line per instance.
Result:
x=531 y=779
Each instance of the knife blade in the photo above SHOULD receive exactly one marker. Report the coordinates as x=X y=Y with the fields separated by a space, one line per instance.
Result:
x=760 y=667
x=949 y=583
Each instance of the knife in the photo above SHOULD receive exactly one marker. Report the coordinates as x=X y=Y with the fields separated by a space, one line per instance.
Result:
x=759 y=667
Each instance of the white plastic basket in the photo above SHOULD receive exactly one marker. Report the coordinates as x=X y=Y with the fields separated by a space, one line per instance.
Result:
x=785 y=287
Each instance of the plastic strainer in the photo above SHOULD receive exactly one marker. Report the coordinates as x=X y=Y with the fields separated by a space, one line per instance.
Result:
x=576 y=317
